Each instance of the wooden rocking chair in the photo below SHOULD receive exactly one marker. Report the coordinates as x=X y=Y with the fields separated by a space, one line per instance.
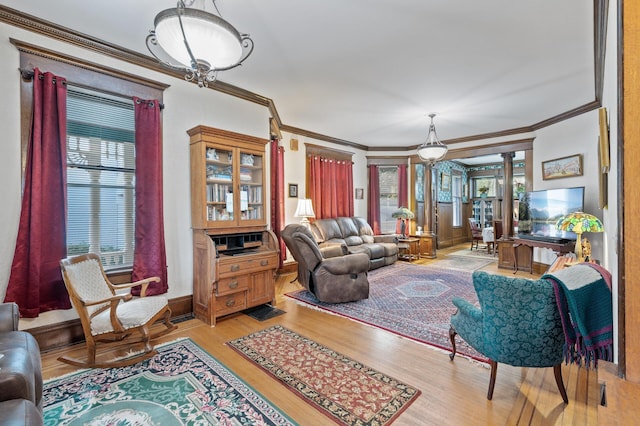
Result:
x=110 y=317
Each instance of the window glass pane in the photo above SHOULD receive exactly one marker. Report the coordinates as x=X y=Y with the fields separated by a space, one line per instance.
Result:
x=100 y=177
x=456 y=199
x=484 y=187
x=388 y=178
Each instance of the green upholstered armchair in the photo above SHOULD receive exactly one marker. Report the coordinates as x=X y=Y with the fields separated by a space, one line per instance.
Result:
x=517 y=323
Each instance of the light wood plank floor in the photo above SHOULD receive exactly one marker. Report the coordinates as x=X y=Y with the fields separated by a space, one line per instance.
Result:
x=453 y=393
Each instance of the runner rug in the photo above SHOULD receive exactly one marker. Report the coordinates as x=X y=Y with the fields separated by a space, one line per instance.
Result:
x=345 y=390
x=181 y=385
x=480 y=253
x=413 y=301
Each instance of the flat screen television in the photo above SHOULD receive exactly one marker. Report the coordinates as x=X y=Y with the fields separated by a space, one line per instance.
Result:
x=538 y=212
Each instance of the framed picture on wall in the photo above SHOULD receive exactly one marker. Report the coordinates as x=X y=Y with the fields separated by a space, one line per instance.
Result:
x=445 y=182
x=293 y=190
x=359 y=193
x=562 y=167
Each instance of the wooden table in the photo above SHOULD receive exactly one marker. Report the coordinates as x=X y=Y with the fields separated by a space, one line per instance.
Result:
x=409 y=248
x=558 y=249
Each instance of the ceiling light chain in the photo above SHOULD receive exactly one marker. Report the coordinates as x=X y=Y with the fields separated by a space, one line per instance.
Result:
x=197 y=43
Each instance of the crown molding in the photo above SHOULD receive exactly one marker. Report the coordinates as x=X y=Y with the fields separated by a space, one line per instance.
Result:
x=68 y=35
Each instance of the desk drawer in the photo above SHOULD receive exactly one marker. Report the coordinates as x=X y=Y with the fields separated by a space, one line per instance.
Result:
x=233 y=302
x=232 y=285
x=243 y=265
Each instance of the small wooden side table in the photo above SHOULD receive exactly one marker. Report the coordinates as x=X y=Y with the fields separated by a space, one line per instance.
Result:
x=427 y=245
x=409 y=248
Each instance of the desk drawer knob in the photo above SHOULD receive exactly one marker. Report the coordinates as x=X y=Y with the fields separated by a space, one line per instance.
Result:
x=264 y=262
x=233 y=284
x=235 y=268
x=230 y=302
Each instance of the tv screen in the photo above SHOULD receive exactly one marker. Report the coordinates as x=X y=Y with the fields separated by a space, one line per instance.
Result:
x=539 y=211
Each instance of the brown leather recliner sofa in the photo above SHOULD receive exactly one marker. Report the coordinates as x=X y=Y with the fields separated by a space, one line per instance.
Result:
x=356 y=234
x=20 y=371
x=331 y=274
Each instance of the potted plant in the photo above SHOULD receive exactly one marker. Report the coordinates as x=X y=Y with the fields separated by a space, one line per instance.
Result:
x=484 y=189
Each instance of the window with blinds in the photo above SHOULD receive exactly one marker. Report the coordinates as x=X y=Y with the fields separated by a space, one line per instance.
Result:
x=388 y=184
x=100 y=176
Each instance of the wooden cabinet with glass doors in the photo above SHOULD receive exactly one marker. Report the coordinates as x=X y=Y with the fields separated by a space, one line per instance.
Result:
x=227 y=179
x=235 y=256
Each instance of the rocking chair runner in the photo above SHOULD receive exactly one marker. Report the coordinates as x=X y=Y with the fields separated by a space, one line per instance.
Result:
x=110 y=317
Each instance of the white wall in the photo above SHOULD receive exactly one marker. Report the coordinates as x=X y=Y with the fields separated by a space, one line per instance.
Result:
x=576 y=136
x=186 y=106
x=295 y=172
x=610 y=213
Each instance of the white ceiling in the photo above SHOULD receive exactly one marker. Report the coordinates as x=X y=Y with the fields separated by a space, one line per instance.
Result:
x=369 y=71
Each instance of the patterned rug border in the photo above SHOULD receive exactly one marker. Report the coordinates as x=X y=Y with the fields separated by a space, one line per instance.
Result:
x=232 y=378
x=445 y=349
x=318 y=404
x=128 y=355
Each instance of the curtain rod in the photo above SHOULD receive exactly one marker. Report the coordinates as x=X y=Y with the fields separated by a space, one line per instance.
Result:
x=28 y=75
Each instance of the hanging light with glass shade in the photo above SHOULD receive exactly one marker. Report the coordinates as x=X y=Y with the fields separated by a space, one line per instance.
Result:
x=197 y=42
x=432 y=149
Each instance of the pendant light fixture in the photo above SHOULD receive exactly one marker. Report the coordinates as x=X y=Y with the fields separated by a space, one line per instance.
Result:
x=197 y=42
x=432 y=149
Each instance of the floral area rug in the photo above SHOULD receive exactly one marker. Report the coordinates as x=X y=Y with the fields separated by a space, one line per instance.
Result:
x=413 y=301
x=345 y=390
x=181 y=385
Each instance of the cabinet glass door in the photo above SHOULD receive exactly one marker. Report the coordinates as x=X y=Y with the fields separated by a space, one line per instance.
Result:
x=251 y=193
x=219 y=171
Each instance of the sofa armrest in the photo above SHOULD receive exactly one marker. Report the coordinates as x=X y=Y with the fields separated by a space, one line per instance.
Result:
x=333 y=250
x=350 y=264
x=385 y=239
x=9 y=316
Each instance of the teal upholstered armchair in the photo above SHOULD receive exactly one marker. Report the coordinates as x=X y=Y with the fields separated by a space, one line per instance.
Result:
x=517 y=323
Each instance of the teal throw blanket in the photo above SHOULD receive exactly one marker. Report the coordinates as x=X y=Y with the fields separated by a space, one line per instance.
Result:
x=583 y=294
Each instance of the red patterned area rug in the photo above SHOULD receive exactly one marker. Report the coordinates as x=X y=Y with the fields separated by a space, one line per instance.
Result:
x=345 y=390
x=413 y=301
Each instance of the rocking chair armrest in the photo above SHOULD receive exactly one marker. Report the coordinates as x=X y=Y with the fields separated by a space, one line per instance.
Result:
x=117 y=298
x=144 y=283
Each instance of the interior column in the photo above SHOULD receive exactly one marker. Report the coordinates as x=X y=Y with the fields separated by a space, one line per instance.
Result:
x=507 y=197
x=428 y=202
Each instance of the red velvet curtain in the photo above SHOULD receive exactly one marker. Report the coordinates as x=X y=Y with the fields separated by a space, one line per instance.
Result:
x=373 y=216
x=149 y=258
x=330 y=187
x=403 y=196
x=35 y=283
x=277 y=195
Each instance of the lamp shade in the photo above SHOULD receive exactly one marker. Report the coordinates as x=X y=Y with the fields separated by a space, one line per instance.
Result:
x=304 y=208
x=579 y=222
x=210 y=38
x=403 y=213
x=197 y=42
x=432 y=150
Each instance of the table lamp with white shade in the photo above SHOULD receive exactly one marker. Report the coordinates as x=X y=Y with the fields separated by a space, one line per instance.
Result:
x=304 y=210
x=579 y=223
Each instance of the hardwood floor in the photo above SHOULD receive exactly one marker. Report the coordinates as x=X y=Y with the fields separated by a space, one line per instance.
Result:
x=453 y=393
